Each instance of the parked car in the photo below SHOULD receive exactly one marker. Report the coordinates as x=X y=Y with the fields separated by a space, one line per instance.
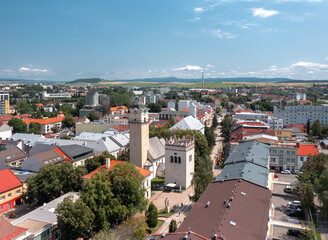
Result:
x=295 y=213
x=288 y=189
x=285 y=172
x=294 y=232
x=294 y=205
x=275 y=176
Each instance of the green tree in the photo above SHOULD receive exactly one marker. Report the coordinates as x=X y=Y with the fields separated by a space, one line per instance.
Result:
x=74 y=218
x=321 y=187
x=152 y=216
x=226 y=125
x=52 y=181
x=18 y=125
x=128 y=188
x=316 y=128
x=98 y=196
x=308 y=127
x=171 y=122
x=173 y=226
x=202 y=177
x=34 y=128
x=306 y=195
x=68 y=122
x=154 y=107
x=313 y=167
x=215 y=121
x=209 y=134
x=92 y=117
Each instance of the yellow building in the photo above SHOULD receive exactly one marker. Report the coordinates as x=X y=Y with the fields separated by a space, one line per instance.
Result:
x=283 y=134
x=11 y=189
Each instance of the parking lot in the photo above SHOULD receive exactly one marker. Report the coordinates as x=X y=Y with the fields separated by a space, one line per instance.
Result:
x=280 y=200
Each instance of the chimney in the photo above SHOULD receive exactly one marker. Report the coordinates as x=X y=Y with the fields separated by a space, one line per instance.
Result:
x=107 y=163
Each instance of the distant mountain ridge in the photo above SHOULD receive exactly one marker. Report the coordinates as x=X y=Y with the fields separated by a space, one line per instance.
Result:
x=195 y=80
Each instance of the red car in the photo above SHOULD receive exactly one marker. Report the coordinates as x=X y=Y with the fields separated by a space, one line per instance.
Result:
x=275 y=176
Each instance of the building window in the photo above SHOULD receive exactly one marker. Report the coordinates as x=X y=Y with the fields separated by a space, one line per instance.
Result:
x=302 y=158
x=190 y=158
x=3 y=198
x=17 y=192
x=9 y=195
x=179 y=159
x=175 y=159
x=171 y=158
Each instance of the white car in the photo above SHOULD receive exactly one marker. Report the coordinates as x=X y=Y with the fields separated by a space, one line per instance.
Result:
x=294 y=205
x=285 y=172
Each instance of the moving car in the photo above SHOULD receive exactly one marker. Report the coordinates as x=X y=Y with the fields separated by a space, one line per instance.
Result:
x=285 y=172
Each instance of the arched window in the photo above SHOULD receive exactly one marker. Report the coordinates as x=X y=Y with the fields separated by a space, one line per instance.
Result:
x=175 y=159
x=179 y=159
x=171 y=158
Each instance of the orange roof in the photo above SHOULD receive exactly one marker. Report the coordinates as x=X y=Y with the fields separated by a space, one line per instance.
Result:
x=62 y=154
x=121 y=128
x=8 y=180
x=306 y=150
x=39 y=105
x=44 y=121
x=143 y=172
x=185 y=110
x=117 y=108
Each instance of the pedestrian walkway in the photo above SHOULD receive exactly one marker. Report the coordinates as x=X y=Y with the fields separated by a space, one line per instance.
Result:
x=178 y=216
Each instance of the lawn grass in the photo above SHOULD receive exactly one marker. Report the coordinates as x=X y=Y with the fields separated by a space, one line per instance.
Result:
x=157 y=180
x=162 y=213
x=159 y=224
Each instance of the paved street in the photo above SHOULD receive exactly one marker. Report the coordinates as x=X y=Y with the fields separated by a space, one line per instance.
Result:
x=217 y=149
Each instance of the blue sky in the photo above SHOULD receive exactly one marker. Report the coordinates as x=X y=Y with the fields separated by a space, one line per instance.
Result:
x=126 y=39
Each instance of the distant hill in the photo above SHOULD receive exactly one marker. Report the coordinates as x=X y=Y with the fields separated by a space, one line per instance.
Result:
x=186 y=80
x=87 y=80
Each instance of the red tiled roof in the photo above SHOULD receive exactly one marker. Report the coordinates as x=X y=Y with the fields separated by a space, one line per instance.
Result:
x=306 y=150
x=8 y=231
x=8 y=180
x=121 y=128
x=143 y=172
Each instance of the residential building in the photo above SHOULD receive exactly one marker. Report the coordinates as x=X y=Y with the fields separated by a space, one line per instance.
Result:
x=27 y=139
x=10 y=232
x=41 y=223
x=111 y=163
x=11 y=189
x=13 y=157
x=119 y=111
x=4 y=103
x=304 y=151
x=283 y=134
x=77 y=153
x=248 y=161
x=275 y=123
x=165 y=115
x=5 y=131
x=297 y=96
x=190 y=123
x=35 y=162
x=179 y=161
x=283 y=157
x=251 y=116
x=49 y=124
x=92 y=98
x=229 y=209
x=300 y=114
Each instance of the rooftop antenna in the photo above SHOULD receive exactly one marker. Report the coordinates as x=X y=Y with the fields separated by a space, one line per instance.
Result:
x=202 y=80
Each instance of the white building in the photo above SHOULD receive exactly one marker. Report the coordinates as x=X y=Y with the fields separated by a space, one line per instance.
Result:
x=298 y=96
x=190 y=123
x=184 y=104
x=275 y=123
x=300 y=114
x=5 y=131
x=179 y=161
x=251 y=116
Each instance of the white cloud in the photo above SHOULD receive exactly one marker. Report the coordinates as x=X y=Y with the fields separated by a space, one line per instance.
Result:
x=310 y=66
x=32 y=70
x=326 y=59
x=219 y=34
x=199 y=9
x=188 y=68
x=262 y=13
x=210 y=66
x=195 y=19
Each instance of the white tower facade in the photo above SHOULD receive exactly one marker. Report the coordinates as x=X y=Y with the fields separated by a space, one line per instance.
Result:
x=179 y=161
x=139 y=136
